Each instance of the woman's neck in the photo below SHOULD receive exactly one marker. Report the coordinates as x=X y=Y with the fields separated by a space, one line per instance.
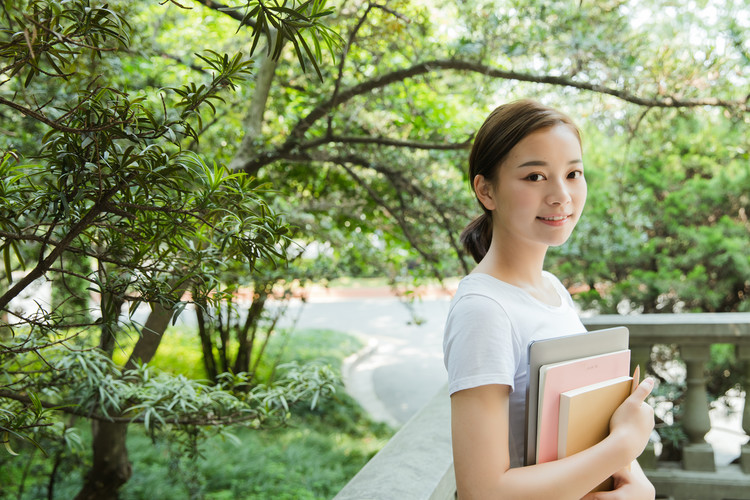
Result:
x=522 y=268
x=519 y=265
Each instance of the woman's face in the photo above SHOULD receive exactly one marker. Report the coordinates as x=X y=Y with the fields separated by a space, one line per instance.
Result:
x=539 y=191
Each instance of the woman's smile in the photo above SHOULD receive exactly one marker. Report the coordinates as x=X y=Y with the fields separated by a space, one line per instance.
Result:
x=555 y=220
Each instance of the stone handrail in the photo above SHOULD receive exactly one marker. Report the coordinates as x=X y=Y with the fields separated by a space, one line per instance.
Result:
x=417 y=464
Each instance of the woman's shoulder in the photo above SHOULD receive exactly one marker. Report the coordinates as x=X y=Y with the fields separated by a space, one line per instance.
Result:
x=482 y=284
x=475 y=290
x=479 y=296
x=552 y=278
x=476 y=311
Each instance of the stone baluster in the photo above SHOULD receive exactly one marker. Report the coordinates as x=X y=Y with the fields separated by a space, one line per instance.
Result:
x=640 y=355
x=697 y=455
x=744 y=355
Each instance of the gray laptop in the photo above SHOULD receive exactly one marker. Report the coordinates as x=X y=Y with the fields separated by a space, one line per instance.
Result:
x=543 y=352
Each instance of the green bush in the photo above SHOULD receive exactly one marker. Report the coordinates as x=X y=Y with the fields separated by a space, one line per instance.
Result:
x=312 y=457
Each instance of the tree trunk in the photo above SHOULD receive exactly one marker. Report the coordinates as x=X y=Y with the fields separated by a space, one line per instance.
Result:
x=224 y=329
x=110 y=308
x=246 y=342
x=5 y=330
x=111 y=468
x=253 y=126
x=253 y=123
x=151 y=335
x=209 y=362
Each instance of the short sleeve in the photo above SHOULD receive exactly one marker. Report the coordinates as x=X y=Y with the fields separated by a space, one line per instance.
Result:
x=478 y=344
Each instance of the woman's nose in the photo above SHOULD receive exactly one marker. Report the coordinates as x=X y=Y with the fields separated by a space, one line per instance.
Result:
x=559 y=194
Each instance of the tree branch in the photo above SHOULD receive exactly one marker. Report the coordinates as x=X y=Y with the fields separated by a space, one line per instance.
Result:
x=232 y=12
x=385 y=141
x=81 y=251
x=53 y=123
x=320 y=156
x=391 y=12
x=321 y=110
x=37 y=347
x=405 y=227
x=342 y=59
x=47 y=262
x=73 y=409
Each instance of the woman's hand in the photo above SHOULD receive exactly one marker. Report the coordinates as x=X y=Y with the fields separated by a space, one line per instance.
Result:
x=630 y=484
x=633 y=421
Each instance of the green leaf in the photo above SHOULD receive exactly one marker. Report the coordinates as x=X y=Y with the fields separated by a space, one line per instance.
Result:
x=6 y=443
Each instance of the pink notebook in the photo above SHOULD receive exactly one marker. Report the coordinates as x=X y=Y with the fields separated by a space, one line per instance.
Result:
x=556 y=378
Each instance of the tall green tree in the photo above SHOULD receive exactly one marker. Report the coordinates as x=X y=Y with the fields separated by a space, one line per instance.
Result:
x=369 y=152
x=101 y=174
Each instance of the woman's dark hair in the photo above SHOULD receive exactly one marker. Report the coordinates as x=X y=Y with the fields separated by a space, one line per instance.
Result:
x=505 y=127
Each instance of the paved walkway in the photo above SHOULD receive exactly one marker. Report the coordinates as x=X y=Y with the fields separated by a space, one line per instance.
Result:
x=401 y=366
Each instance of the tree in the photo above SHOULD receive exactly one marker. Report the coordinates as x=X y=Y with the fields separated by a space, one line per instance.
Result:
x=331 y=144
x=114 y=187
x=375 y=142
x=676 y=205
x=388 y=125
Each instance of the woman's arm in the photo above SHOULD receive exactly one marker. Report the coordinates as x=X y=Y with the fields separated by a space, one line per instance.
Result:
x=630 y=482
x=479 y=421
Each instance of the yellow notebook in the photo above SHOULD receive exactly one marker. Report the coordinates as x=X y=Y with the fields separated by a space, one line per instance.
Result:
x=585 y=414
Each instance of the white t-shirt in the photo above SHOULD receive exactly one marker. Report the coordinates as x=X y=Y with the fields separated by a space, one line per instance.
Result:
x=490 y=324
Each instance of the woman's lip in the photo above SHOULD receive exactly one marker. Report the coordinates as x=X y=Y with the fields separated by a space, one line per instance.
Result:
x=555 y=220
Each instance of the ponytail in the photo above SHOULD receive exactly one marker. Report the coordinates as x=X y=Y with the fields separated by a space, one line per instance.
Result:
x=477 y=236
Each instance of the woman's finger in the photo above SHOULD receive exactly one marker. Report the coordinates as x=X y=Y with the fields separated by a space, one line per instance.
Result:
x=643 y=390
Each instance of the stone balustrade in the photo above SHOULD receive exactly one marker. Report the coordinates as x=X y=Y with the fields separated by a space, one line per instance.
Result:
x=697 y=476
x=417 y=464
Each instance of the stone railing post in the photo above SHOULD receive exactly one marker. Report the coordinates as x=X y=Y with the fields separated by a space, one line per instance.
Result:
x=744 y=355
x=697 y=455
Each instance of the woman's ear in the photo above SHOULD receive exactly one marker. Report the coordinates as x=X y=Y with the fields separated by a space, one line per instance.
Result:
x=484 y=191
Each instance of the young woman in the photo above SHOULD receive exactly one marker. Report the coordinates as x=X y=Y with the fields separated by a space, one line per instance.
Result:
x=526 y=169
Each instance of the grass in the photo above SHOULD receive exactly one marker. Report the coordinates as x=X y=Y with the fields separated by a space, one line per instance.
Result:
x=299 y=462
x=179 y=351
x=312 y=457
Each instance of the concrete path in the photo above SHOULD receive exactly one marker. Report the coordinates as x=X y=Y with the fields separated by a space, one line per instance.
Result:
x=401 y=366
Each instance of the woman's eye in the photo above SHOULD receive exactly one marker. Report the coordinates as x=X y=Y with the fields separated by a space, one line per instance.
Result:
x=577 y=174
x=534 y=177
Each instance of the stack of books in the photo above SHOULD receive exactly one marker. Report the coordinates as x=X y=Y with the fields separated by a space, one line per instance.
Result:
x=575 y=396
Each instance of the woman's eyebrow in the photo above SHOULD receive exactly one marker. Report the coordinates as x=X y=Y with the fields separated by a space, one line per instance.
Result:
x=541 y=163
